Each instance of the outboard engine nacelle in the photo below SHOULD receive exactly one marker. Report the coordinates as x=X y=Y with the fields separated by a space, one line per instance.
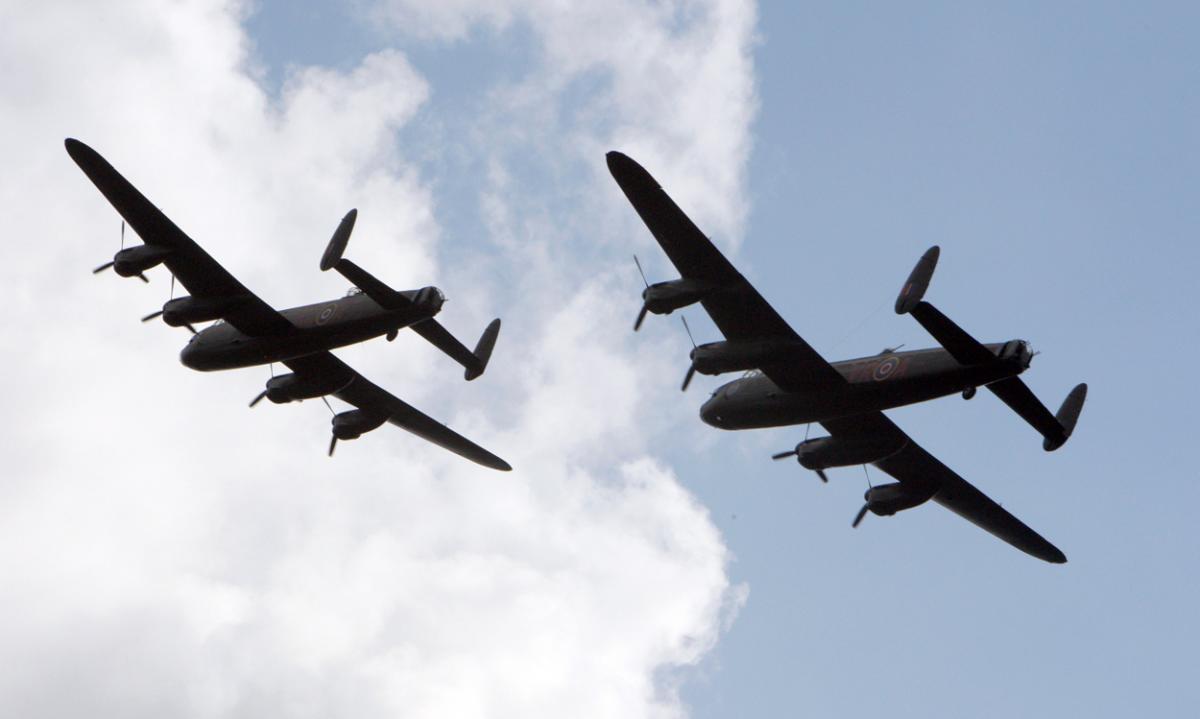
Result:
x=825 y=452
x=355 y=423
x=663 y=298
x=352 y=425
x=133 y=261
x=884 y=500
x=739 y=355
x=183 y=311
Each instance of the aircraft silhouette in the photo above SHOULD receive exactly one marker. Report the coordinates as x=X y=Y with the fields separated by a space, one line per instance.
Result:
x=788 y=383
x=249 y=332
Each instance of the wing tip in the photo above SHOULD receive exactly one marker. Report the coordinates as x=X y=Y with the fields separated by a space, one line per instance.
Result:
x=618 y=161
x=625 y=169
x=494 y=462
x=1044 y=550
x=77 y=150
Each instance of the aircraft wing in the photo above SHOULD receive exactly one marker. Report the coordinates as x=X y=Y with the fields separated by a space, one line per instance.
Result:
x=737 y=309
x=917 y=468
x=191 y=265
x=373 y=399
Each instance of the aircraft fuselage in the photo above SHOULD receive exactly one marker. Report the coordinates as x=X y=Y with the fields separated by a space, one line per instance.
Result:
x=874 y=383
x=317 y=327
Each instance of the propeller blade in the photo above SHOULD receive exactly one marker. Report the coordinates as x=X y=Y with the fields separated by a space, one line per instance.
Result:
x=192 y=329
x=259 y=398
x=332 y=444
x=143 y=278
x=151 y=316
x=784 y=455
x=688 y=330
x=636 y=325
x=858 y=518
x=821 y=474
x=687 y=379
x=102 y=267
x=643 y=274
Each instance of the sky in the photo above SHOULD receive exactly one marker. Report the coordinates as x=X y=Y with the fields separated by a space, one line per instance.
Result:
x=169 y=552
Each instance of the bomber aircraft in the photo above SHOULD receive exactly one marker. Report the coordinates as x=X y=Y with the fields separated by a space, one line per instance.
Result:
x=787 y=382
x=247 y=331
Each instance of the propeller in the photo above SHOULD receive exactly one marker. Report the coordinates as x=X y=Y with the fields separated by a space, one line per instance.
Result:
x=793 y=453
x=170 y=296
x=152 y=315
x=262 y=394
x=890 y=350
x=333 y=439
x=858 y=518
x=637 y=325
x=110 y=263
x=687 y=379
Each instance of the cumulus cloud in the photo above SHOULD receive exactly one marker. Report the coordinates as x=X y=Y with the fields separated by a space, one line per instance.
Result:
x=670 y=83
x=170 y=552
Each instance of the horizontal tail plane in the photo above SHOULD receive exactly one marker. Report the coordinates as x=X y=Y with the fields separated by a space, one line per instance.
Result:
x=437 y=335
x=1055 y=429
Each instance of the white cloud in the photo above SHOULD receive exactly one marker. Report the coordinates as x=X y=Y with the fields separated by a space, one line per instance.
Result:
x=169 y=552
x=670 y=83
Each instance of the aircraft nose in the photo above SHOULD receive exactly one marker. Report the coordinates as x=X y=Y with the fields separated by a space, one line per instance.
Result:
x=188 y=354
x=710 y=412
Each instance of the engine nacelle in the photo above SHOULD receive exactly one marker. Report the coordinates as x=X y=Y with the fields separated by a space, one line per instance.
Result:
x=825 y=452
x=183 y=311
x=739 y=355
x=355 y=423
x=292 y=388
x=884 y=500
x=663 y=298
x=134 y=261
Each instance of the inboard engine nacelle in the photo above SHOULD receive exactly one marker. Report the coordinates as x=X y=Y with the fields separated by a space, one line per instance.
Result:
x=739 y=355
x=293 y=388
x=183 y=311
x=825 y=452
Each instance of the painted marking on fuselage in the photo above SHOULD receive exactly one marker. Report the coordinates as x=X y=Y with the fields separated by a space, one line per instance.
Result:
x=327 y=314
x=886 y=368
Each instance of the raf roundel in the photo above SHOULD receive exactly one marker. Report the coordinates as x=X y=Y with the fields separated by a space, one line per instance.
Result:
x=326 y=314
x=885 y=368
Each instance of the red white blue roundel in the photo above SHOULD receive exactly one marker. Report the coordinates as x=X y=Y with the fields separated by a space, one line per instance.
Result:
x=326 y=314
x=884 y=369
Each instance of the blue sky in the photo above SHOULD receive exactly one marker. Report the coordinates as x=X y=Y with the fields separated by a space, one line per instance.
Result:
x=1051 y=151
